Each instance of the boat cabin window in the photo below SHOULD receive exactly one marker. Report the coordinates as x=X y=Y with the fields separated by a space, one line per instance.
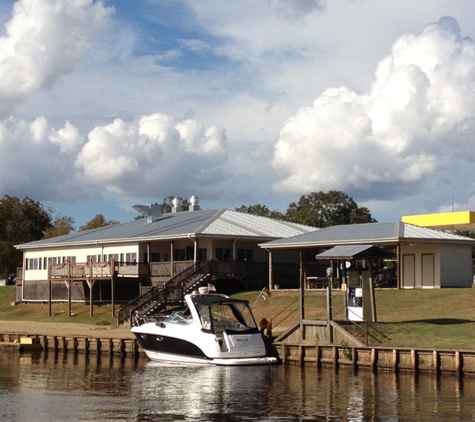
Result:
x=181 y=316
x=232 y=317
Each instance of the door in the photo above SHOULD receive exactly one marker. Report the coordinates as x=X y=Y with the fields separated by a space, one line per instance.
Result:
x=428 y=271
x=408 y=271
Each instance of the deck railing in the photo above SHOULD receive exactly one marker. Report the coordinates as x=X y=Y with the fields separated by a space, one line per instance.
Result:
x=90 y=269
x=93 y=269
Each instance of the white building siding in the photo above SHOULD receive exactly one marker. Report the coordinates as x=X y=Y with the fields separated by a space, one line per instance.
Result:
x=456 y=264
x=436 y=265
x=420 y=266
x=78 y=255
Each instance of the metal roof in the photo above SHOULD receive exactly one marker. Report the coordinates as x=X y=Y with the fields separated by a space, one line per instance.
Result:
x=199 y=223
x=355 y=252
x=369 y=233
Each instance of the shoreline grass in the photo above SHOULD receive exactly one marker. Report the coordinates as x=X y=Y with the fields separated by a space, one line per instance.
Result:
x=432 y=319
x=425 y=319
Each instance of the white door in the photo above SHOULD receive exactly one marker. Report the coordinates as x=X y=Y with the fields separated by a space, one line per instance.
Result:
x=408 y=271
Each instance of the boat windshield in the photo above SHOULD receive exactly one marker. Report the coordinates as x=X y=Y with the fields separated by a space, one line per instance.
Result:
x=180 y=316
x=232 y=316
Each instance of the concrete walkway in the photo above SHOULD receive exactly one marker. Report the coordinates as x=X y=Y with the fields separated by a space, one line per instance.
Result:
x=64 y=329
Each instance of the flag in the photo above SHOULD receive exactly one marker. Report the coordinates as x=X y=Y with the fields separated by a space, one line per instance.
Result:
x=265 y=293
x=211 y=288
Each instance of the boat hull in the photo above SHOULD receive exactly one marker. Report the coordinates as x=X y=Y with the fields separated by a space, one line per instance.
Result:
x=209 y=329
x=163 y=348
x=173 y=358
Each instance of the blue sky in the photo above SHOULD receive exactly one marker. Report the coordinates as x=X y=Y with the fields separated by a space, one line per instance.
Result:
x=107 y=104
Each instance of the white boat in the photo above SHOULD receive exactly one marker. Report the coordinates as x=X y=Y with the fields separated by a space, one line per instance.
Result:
x=210 y=329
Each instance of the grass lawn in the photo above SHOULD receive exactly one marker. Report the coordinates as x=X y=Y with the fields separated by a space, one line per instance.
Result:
x=39 y=311
x=434 y=319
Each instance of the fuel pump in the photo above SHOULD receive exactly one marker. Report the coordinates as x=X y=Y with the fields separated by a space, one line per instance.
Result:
x=359 y=299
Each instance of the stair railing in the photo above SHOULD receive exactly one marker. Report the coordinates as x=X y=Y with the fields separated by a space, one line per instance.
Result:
x=171 y=292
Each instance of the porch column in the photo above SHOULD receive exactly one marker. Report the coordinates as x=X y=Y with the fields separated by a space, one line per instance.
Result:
x=195 y=251
x=271 y=272
x=113 y=275
x=49 y=295
x=112 y=296
x=68 y=285
x=303 y=272
x=398 y=266
x=171 y=259
x=90 y=283
x=371 y=292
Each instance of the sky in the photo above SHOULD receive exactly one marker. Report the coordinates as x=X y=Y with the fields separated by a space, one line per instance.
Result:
x=108 y=104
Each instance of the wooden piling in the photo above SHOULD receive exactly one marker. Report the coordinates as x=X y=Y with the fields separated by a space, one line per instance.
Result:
x=379 y=358
x=111 y=346
x=395 y=361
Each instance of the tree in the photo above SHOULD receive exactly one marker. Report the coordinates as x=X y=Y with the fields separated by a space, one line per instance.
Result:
x=62 y=225
x=97 y=222
x=260 y=210
x=325 y=209
x=21 y=221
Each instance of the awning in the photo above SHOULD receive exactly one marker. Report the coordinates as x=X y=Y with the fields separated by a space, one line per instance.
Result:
x=356 y=252
x=459 y=220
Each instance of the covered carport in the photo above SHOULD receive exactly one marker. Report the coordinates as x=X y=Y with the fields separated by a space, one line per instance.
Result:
x=425 y=258
x=345 y=259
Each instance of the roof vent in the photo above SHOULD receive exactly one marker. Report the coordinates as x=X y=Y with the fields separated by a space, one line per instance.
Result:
x=194 y=203
x=153 y=212
x=176 y=204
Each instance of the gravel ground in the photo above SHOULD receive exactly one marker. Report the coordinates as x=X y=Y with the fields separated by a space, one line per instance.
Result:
x=64 y=329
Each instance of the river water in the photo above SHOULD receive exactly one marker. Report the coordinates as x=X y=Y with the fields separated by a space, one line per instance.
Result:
x=64 y=387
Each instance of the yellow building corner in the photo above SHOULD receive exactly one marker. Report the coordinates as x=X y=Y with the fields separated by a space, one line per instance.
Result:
x=460 y=220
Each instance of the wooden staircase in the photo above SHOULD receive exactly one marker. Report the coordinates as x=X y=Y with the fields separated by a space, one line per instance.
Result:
x=172 y=293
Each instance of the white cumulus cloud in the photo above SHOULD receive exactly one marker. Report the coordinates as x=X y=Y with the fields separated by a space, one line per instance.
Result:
x=37 y=160
x=417 y=117
x=45 y=39
x=156 y=153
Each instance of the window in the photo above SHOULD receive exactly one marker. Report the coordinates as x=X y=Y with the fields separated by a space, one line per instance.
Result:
x=132 y=257
x=202 y=254
x=179 y=255
x=33 y=264
x=155 y=257
x=244 y=254
x=223 y=254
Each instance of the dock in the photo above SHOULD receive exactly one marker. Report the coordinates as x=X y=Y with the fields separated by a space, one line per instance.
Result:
x=73 y=344
x=459 y=362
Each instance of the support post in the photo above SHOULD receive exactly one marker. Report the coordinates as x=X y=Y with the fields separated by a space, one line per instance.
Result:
x=371 y=292
x=49 y=297
x=329 y=314
x=271 y=272
x=90 y=283
x=112 y=295
x=68 y=286
x=302 y=295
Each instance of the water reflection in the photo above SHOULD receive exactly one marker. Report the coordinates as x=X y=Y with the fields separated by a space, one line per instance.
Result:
x=64 y=387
